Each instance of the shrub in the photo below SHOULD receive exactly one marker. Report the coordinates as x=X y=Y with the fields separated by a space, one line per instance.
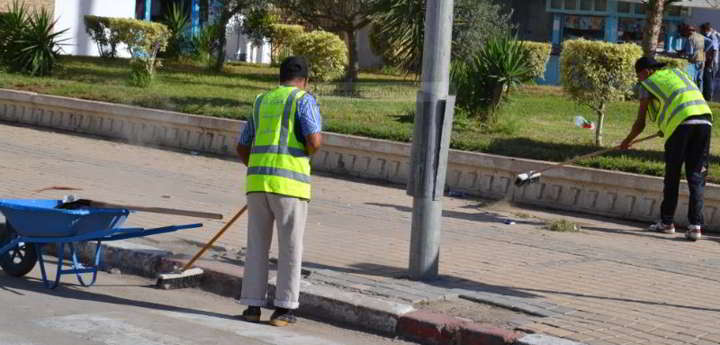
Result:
x=281 y=38
x=596 y=73
x=30 y=42
x=98 y=28
x=325 y=51
x=538 y=56
x=12 y=24
x=139 y=75
x=205 y=44
x=177 y=22
x=144 y=40
x=483 y=81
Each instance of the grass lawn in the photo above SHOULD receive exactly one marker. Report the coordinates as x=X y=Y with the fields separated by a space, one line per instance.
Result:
x=537 y=123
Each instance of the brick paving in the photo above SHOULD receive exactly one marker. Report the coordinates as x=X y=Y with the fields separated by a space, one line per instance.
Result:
x=610 y=283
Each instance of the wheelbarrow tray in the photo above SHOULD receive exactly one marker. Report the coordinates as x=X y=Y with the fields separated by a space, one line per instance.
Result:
x=41 y=218
x=38 y=222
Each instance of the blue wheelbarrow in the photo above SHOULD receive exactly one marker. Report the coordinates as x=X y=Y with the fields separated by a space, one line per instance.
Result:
x=30 y=225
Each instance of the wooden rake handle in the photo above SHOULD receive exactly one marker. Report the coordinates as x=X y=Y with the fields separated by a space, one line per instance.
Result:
x=215 y=238
x=596 y=153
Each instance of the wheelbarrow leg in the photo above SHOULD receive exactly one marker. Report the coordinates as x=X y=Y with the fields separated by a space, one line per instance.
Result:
x=79 y=268
x=60 y=249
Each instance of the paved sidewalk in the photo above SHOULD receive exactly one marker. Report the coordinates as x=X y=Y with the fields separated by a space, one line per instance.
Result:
x=611 y=283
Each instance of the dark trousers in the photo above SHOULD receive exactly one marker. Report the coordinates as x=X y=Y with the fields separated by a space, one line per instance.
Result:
x=708 y=89
x=689 y=144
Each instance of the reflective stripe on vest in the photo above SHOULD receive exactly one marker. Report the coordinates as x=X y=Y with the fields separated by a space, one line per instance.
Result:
x=676 y=98
x=279 y=162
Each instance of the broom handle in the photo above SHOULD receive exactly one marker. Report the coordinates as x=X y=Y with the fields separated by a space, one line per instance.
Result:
x=596 y=153
x=215 y=238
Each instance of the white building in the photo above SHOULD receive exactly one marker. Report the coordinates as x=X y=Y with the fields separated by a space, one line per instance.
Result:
x=70 y=15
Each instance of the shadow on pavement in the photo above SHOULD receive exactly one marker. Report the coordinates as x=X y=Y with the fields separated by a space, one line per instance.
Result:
x=638 y=233
x=448 y=282
x=75 y=292
x=580 y=295
x=488 y=217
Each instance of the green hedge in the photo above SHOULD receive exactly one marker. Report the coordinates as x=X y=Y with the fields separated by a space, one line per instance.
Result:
x=327 y=53
x=539 y=54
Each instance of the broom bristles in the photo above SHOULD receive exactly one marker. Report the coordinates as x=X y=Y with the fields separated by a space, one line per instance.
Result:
x=188 y=278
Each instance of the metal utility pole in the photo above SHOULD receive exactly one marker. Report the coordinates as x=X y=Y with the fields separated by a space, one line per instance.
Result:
x=431 y=140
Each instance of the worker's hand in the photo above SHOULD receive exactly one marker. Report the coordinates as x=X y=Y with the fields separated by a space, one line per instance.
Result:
x=626 y=144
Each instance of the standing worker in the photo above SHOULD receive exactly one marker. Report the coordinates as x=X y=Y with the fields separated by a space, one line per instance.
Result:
x=276 y=146
x=677 y=106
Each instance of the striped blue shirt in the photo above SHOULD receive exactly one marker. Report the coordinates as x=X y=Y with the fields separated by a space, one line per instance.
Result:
x=307 y=115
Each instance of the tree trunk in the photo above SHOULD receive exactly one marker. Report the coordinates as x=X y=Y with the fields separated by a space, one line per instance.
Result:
x=221 y=41
x=353 y=56
x=600 y=122
x=221 y=38
x=655 y=10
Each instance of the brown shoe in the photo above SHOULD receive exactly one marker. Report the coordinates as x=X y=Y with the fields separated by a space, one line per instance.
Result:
x=282 y=317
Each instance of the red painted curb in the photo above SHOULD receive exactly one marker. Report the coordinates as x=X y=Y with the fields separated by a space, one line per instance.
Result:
x=429 y=328
x=482 y=334
x=439 y=329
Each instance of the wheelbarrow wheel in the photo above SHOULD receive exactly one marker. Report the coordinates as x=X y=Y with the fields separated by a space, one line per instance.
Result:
x=17 y=261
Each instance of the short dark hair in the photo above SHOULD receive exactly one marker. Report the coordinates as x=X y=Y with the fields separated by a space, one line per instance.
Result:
x=648 y=62
x=705 y=26
x=293 y=67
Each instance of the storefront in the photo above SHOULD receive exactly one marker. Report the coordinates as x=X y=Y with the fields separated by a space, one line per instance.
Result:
x=607 y=20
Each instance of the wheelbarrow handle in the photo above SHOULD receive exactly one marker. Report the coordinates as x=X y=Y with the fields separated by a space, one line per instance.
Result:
x=100 y=204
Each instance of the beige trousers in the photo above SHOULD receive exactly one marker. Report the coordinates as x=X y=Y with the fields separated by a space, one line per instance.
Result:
x=289 y=214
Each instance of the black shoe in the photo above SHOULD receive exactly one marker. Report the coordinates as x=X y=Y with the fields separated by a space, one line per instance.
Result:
x=282 y=317
x=251 y=314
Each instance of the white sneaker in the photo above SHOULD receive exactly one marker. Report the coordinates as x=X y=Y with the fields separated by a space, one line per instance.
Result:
x=664 y=228
x=693 y=233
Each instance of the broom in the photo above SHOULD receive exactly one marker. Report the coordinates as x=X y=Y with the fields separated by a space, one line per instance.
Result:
x=187 y=277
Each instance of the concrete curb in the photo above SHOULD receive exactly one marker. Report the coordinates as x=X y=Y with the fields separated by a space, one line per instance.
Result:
x=324 y=303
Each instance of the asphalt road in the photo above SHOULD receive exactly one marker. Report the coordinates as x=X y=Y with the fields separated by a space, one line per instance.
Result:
x=127 y=310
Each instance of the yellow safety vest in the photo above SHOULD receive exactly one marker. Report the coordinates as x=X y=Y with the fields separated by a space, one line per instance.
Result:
x=279 y=162
x=676 y=99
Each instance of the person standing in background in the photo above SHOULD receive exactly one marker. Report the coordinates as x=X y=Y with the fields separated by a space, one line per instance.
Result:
x=694 y=50
x=712 y=60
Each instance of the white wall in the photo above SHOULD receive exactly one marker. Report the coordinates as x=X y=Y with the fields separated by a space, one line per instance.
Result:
x=366 y=56
x=239 y=48
x=70 y=13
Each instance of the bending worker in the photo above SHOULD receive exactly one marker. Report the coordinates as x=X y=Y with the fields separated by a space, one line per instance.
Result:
x=676 y=104
x=276 y=146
